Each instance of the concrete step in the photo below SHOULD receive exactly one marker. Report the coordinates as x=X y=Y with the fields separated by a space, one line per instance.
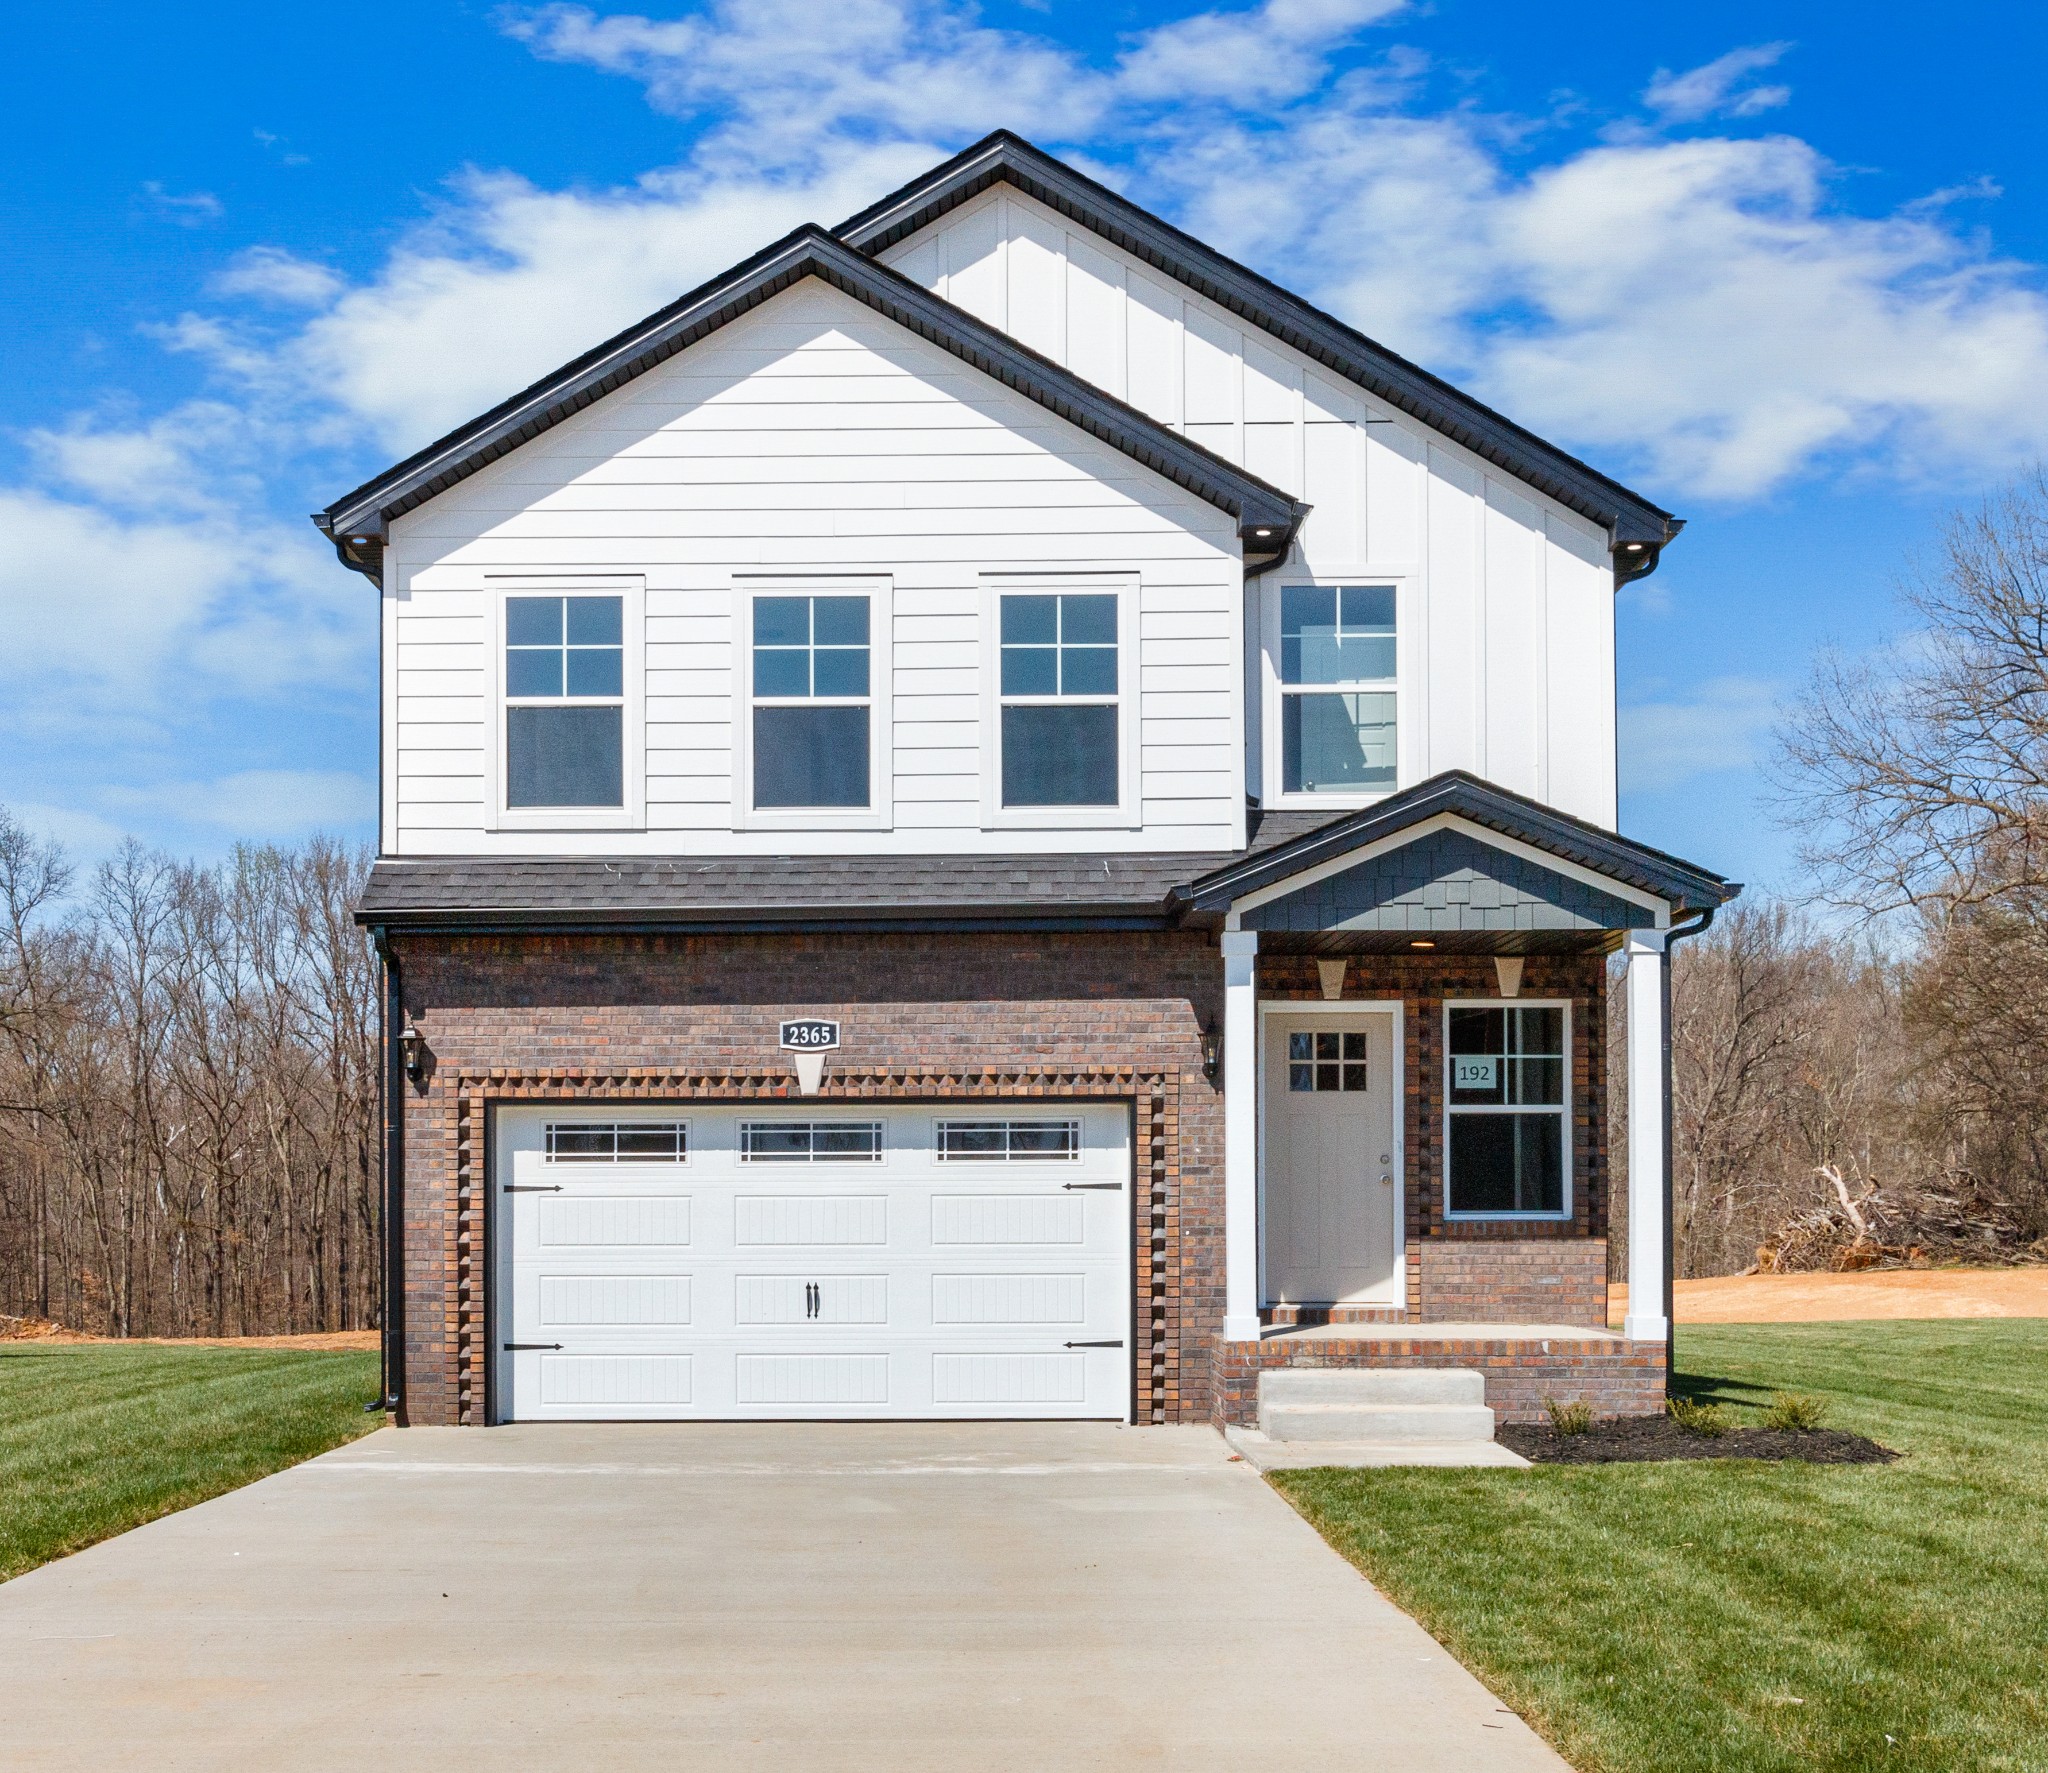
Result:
x=1371 y=1385
x=1263 y=1453
x=1441 y=1424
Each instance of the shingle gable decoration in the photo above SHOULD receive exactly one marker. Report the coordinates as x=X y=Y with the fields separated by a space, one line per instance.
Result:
x=358 y=523
x=1637 y=530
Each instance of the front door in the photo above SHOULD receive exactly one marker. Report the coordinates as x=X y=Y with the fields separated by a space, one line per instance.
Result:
x=1333 y=1192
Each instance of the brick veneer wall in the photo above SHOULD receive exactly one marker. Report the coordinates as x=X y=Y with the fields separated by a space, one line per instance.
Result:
x=694 y=1017
x=1617 y=1378
x=1101 y=1014
x=1529 y=1280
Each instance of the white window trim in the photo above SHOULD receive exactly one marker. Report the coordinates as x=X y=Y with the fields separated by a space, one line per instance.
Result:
x=1341 y=1010
x=1407 y=625
x=632 y=588
x=1126 y=814
x=1564 y=1112
x=879 y=813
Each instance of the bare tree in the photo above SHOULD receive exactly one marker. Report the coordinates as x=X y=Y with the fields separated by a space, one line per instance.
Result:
x=187 y=1092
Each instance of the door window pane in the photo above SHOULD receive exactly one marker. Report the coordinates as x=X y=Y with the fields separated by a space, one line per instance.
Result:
x=1329 y=1060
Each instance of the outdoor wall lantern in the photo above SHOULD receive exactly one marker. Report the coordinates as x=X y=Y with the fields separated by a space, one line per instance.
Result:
x=1212 y=1051
x=412 y=1048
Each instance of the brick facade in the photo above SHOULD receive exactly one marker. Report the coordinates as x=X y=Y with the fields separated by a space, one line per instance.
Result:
x=675 y=1017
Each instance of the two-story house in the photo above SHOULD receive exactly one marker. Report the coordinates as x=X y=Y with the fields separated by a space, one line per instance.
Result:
x=990 y=815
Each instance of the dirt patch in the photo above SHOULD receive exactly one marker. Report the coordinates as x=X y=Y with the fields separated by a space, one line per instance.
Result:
x=1636 y=1439
x=1875 y=1293
x=34 y=1329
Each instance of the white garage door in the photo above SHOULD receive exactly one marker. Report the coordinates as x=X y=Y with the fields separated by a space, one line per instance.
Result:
x=827 y=1261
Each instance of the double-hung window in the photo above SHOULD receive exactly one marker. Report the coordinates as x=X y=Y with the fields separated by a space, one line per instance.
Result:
x=1337 y=669
x=1506 y=1108
x=812 y=701
x=565 y=701
x=1059 y=717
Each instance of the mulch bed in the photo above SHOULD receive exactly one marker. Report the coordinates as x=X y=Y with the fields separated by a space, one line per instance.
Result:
x=1627 y=1439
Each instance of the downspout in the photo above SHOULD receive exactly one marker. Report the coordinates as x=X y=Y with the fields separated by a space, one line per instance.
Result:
x=1671 y=940
x=391 y=1018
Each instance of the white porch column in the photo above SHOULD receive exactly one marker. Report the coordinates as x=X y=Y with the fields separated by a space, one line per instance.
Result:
x=1240 y=1136
x=1648 y=1190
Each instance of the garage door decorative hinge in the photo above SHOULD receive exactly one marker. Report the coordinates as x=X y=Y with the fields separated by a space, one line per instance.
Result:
x=533 y=1188
x=1113 y=1342
x=1112 y=1187
x=522 y=1347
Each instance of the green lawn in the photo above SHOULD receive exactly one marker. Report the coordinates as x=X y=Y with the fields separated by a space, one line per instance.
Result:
x=1743 y=1617
x=98 y=1438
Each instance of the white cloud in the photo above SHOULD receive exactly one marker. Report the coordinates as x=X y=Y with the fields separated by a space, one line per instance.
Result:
x=187 y=209
x=1274 y=53
x=271 y=274
x=1711 y=89
x=259 y=804
x=1721 y=724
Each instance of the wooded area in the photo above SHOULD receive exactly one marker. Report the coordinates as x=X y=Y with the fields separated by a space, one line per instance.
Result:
x=1876 y=1085
x=188 y=1092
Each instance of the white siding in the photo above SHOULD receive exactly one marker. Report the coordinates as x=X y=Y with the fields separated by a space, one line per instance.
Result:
x=1507 y=650
x=815 y=437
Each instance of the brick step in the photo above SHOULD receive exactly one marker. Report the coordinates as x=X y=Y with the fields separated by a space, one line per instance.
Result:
x=1385 y=1424
x=1371 y=1385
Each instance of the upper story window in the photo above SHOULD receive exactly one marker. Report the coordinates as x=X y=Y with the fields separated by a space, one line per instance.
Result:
x=812 y=701
x=565 y=682
x=1337 y=731
x=1059 y=737
x=1506 y=1106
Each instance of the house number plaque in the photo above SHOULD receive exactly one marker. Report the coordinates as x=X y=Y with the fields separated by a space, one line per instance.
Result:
x=810 y=1037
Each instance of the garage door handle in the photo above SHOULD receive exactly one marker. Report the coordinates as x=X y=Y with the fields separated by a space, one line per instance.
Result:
x=522 y=1347
x=533 y=1188
x=1113 y=1187
x=1114 y=1342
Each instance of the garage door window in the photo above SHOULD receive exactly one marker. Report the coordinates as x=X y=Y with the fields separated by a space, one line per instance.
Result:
x=810 y=1141
x=998 y=1141
x=605 y=1142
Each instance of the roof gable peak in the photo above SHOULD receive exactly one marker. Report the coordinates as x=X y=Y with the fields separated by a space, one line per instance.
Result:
x=1637 y=529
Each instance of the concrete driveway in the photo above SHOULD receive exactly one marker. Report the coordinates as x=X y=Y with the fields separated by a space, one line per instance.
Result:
x=794 y=1596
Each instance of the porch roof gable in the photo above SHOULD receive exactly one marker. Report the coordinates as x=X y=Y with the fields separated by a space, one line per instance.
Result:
x=1460 y=855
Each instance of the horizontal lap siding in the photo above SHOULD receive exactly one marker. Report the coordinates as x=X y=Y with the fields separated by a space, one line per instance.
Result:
x=815 y=437
x=1507 y=650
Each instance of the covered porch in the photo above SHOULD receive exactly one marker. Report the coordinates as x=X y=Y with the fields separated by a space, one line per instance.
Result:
x=1418 y=1132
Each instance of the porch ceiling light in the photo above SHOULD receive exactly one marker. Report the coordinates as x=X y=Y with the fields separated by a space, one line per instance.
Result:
x=1421 y=944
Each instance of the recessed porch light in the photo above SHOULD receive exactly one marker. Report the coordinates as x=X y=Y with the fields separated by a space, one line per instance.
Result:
x=1421 y=944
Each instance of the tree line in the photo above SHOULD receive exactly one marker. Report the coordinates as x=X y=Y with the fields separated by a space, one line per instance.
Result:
x=188 y=1091
x=1864 y=1077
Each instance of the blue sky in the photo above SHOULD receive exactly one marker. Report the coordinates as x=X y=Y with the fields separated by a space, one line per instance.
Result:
x=1780 y=267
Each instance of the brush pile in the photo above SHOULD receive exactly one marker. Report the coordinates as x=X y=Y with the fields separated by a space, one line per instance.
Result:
x=1863 y=1225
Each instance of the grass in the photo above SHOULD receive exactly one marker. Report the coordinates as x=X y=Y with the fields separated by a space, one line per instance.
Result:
x=1732 y=1615
x=98 y=1438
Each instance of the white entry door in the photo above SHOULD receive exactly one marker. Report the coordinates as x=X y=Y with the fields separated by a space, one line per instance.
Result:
x=823 y=1260
x=1332 y=1170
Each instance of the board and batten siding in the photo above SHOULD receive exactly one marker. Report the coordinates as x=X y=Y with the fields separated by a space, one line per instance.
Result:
x=813 y=437
x=1507 y=611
